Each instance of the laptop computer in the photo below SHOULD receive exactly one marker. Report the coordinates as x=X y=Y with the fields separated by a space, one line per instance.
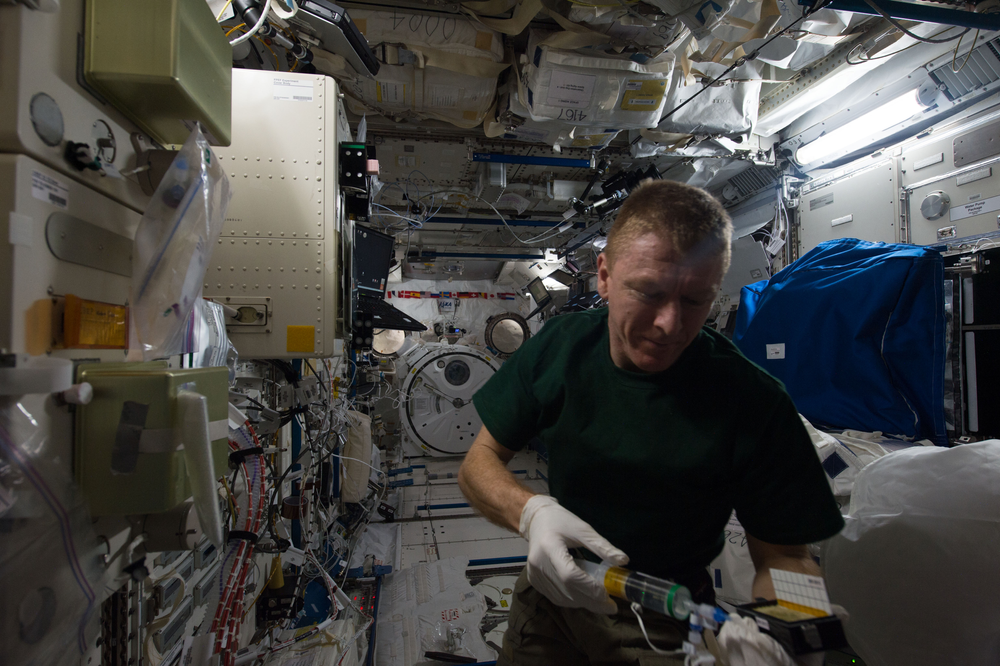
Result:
x=372 y=255
x=338 y=33
x=540 y=294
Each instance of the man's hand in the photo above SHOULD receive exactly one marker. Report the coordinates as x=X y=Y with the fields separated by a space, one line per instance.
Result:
x=767 y=556
x=551 y=531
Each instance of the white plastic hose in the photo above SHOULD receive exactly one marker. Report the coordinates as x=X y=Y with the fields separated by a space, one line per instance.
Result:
x=281 y=12
x=253 y=31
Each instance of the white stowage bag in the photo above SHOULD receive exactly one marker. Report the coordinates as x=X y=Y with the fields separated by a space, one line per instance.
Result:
x=699 y=16
x=596 y=90
x=917 y=564
x=358 y=447
x=444 y=68
x=516 y=124
x=616 y=22
x=726 y=109
x=852 y=450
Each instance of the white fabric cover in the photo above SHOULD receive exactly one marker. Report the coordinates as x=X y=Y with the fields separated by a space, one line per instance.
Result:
x=856 y=449
x=732 y=570
x=418 y=603
x=916 y=564
x=699 y=17
x=454 y=34
x=550 y=132
x=616 y=22
x=746 y=645
x=727 y=108
x=415 y=88
x=592 y=91
x=359 y=445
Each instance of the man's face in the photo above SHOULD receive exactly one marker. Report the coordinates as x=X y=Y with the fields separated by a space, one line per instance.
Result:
x=657 y=301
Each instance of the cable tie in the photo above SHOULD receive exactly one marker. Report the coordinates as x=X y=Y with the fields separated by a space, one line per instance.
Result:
x=240 y=457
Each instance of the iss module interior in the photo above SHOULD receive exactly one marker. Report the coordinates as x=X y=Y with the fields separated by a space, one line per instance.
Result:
x=438 y=416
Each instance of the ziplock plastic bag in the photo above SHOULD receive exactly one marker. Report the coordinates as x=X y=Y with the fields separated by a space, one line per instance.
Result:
x=50 y=575
x=916 y=563
x=212 y=347
x=172 y=245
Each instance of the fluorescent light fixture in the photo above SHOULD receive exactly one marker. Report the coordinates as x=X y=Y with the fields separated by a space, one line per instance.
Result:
x=861 y=130
x=782 y=115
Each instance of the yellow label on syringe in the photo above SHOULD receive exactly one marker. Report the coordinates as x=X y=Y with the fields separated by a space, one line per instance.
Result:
x=614 y=581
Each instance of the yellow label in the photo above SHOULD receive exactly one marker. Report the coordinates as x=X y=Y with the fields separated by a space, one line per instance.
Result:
x=643 y=95
x=614 y=581
x=503 y=603
x=484 y=40
x=94 y=325
x=387 y=92
x=300 y=339
x=808 y=610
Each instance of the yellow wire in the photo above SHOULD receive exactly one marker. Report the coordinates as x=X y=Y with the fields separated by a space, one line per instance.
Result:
x=242 y=26
x=224 y=8
x=967 y=55
x=229 y=495
x=263 y=587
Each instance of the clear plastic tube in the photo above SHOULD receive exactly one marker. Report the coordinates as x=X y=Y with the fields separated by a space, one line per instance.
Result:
x=655 y=594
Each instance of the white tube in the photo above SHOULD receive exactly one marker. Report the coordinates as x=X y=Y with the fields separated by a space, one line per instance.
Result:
x=253 y=31
x=283 y=13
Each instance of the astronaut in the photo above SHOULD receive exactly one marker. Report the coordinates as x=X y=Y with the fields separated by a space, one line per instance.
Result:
x=656 y=428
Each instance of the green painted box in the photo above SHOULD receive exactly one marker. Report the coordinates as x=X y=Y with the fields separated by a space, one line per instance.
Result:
x=164 y=64
x=127 y=457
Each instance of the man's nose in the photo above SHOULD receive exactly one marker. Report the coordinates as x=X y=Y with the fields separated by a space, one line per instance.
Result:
x=669 y=317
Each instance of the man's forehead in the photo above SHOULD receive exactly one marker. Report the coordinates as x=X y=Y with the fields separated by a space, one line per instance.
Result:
x=662 y=255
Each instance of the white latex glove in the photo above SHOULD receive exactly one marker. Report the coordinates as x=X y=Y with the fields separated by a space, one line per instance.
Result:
x=746 y=645
x=551 y=531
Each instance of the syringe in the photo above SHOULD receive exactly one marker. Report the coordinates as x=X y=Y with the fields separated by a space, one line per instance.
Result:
x=656 y=594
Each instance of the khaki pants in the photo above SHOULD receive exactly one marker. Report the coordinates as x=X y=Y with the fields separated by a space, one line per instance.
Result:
x=540 y=633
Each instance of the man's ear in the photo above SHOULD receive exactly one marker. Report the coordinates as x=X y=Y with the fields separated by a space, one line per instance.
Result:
x=603 y=273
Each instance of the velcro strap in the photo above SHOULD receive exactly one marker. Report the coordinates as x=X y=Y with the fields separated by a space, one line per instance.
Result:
x=240 y=535
x=478 y=67
x=239 y=457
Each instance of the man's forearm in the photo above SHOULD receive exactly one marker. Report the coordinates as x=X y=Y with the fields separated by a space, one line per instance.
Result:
x=767 y=556
x=490 y=487
x=763 y=586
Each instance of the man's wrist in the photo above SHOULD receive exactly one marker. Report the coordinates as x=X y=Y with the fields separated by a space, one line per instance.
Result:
x=531 y=507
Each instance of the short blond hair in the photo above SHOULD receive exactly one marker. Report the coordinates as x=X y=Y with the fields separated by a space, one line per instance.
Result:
x=692 y=220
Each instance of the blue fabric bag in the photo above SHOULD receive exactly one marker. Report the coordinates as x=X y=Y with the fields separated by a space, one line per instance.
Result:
x=856 y=332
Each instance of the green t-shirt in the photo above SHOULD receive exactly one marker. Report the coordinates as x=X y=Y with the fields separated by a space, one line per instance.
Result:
x=656 y=463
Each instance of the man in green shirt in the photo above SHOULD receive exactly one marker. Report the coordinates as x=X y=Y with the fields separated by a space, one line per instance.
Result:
x=656 y=429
